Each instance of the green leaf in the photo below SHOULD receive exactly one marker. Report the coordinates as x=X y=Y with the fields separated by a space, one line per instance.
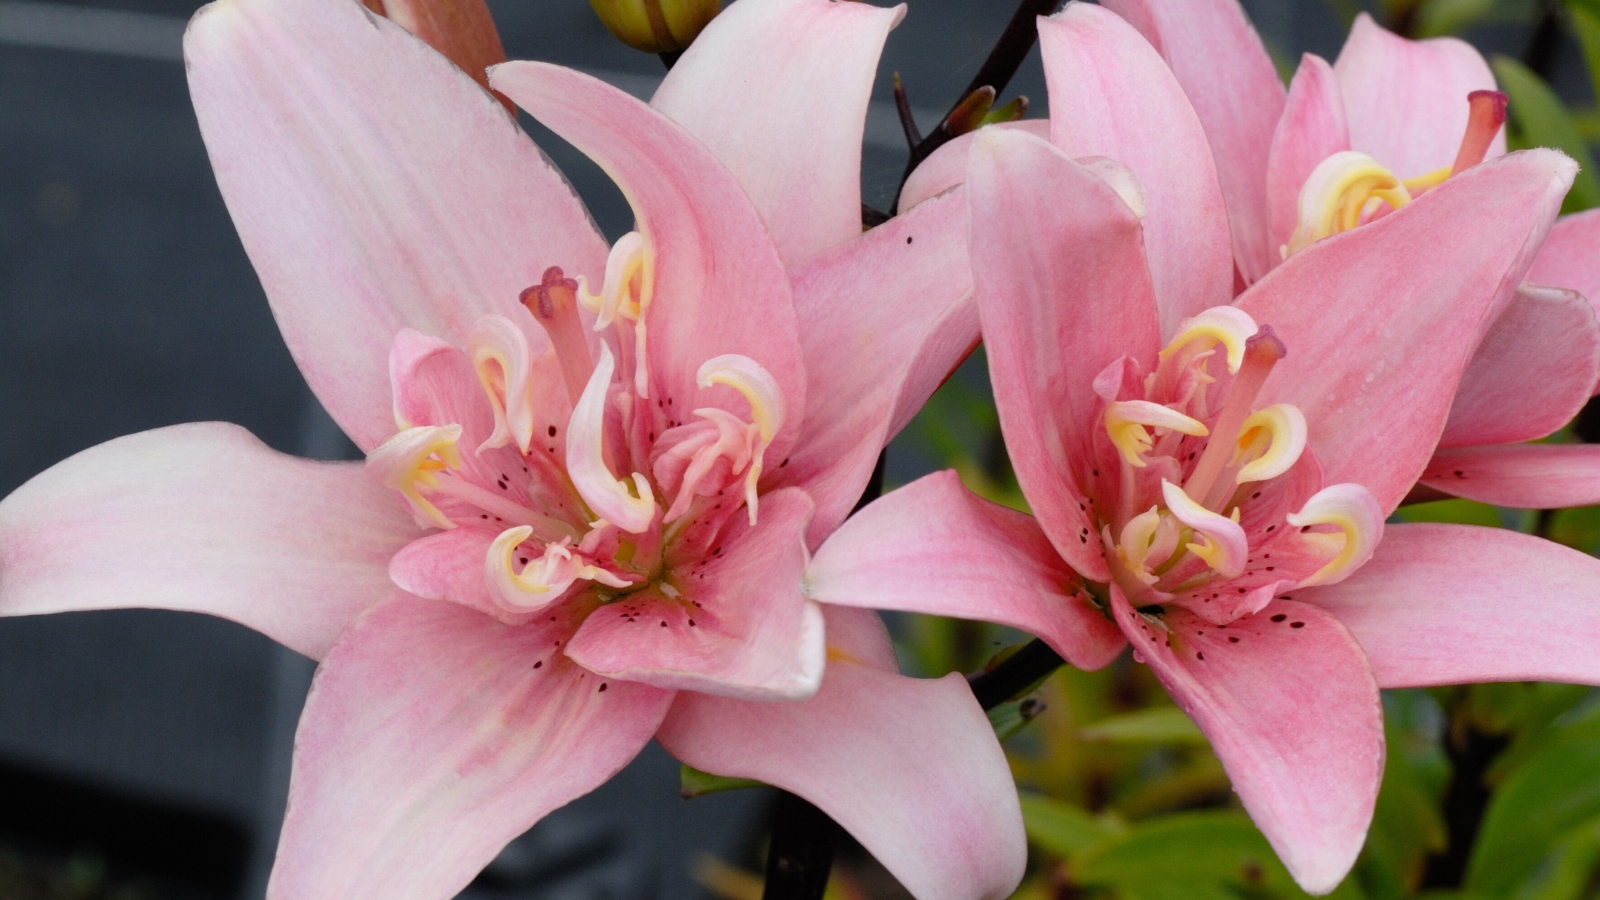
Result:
x=1458 y=512
x=1061 y=828
x=1554 y=791
x=1191 y=854
x=1586 y=23
x=1567 y=871
x=1009 y=718
x=694 y=783
x=1542 y=120
x=1436 y=18
x=1406 y=827
x=1161 y=725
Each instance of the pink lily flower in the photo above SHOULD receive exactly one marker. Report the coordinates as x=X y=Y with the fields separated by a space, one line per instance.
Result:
x=1211 y=479
x=1389 y=119
x=593 y=474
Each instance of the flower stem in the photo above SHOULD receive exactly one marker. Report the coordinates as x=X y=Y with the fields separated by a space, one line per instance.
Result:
x=801 y=855
x=1015 y=674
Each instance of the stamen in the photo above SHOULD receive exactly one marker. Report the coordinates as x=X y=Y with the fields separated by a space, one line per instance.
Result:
x=1223 y=546
x=632 y=511
x=1127 y=420
x=409 y=460
x=1282 y=427
x=1483 y=123
x=1262 y=352
x=500 y=356
x=542 y=581
x=1147 y=541
x=746 y=376
x=1356 y=513
x=626 y=262
x=1336 y=195
x=1225 y=325
x=554 y=304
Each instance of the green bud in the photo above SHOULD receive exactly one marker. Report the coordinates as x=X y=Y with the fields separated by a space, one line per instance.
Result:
x=656 y=26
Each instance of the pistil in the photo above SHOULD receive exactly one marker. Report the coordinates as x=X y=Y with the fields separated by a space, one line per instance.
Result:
x=1262 y=352
x=554 y=304
x=1483 y=123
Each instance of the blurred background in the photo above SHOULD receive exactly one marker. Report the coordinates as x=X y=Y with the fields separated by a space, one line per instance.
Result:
x=144 y=755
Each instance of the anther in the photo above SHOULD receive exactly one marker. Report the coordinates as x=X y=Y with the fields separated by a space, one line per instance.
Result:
x=1128 y=421
x=1337 y=193
x=554 y=304
x=1356 y=513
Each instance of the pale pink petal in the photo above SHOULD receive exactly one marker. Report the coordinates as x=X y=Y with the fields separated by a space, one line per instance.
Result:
x=1570 y=257
x=1406 y=101
x=463 y=30
x=778 y=89
x=374 y=186
x=1063 y=289
x=719 y=284
x=910 y=767
x=1234 y=88
x=449 y=565
x=1380 y=321
x=934 y=547
x=203 y=518
x=1311 y=130
x=1112 y=95
x=432 y=737
x=1534 y=370
x=1290 y=706
x=885 y=318
x=739 y=625
x=1524 y=476
x=1448 y=604
x=947 y=167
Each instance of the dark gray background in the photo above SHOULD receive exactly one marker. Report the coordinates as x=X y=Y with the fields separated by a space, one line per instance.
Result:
x=126 y=303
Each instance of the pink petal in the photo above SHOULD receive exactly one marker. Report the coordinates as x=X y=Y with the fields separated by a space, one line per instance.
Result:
x=1063 y=289
x=1447 y=604
x=1406 y=101
x=934 y=547
x=1381 y=320
x=1231 y=81
x=463 y=30
x=799 y=74
x=947 y=167
x=719 y=284
x=871 y=366
x=374 y=186
x=203 y=518
x=1570 y=257
x=740 y=626
x=1311 y=130
x=433 y=736
x=1524 y=476
x=1290 y=707
x=1112 y=95
x=908 y=766
x=449 y=565
x=1534 y=370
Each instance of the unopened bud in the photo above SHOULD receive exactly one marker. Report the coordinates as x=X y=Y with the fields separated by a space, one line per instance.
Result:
x=656 y=26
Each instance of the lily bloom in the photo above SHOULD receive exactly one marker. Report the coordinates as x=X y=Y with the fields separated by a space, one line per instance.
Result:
x=593 y=473
x=1389 y=119
x=1211 y=479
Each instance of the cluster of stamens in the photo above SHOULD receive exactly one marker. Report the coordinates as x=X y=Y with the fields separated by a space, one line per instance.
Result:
x=1187 y=459
x=1349 y=188
x=566 y=520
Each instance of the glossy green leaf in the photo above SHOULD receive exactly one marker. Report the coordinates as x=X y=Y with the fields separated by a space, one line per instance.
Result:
x=1551 y=793
x=1161 y=725
x=1458 y=512
x=1567 y=872
x=1406 y=827
x=1441 y=17
x=1542 y=120
x=1061 y=828
x=1009 y=718
x=694 y=783
x=1219 y=850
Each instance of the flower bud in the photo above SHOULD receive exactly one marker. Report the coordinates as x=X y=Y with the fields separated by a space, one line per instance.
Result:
x=656 y=26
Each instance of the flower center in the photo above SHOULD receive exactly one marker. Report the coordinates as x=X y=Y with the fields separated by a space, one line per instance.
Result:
x=1349 y=188
x=1197 y=476
x=565 y=519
